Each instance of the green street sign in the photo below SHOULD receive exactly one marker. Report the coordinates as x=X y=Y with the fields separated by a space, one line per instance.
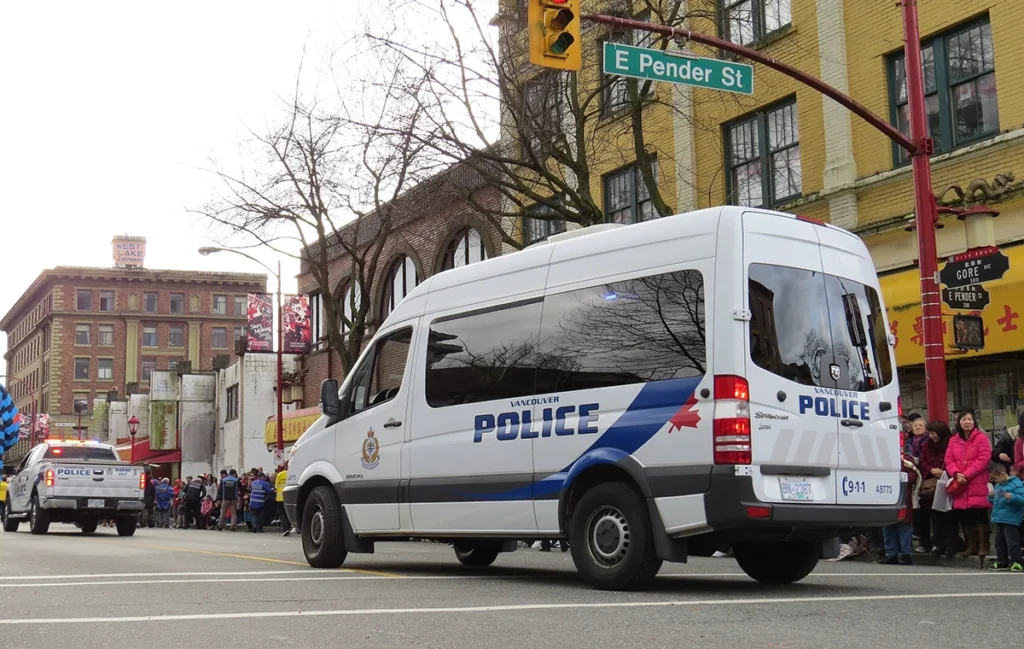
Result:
x=673 y=67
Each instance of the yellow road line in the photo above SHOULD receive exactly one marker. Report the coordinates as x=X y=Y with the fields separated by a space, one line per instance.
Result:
x=250 y=557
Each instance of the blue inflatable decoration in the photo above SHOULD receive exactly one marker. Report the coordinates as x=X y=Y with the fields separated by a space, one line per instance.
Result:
x=10 y=421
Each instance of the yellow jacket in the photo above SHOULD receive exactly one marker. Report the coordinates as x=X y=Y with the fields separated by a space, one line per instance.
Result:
x=282 y=477
x=3 y=491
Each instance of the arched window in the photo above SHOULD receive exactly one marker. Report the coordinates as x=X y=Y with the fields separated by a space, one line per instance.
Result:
x=399 y=282
x=349 y=304
x=465 y=249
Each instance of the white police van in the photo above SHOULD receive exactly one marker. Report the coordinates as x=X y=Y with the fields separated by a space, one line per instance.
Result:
x=652 y=391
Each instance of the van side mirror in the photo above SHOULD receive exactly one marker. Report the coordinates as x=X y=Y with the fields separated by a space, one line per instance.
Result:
x=330 y=402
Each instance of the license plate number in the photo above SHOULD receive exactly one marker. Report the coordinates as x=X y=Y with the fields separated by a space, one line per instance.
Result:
x=795 y=489
x=100 y=503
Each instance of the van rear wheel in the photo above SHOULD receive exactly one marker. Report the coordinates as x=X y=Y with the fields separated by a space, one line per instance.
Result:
x=322 y=542
x=38 y=518
x=477 y=554
x=126 y=526
x=611 y=539
x=88 y=525
x=777 y=563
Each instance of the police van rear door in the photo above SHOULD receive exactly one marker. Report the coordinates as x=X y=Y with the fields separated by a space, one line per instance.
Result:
x=794 y=407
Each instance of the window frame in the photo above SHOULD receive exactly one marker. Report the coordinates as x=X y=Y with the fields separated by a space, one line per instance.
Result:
x=370 y=362
x=388 y=303
x=240 y=300
x=99 y=334
x=550 y=226
x=213 y=337
x=155 y=333
x=636 y=177
x=231 y=401
x=764 y=152
x=87 y=328
x=147 y=362
x=170 y=334
x=213 y=304
x=99 y=369
x=758 y=20
x=945 y=140
x=79 y=293
x=550 y=81
x=461 y=240
x=110 y=295
x=88 y=368
x=181 y=308
x=156 y=302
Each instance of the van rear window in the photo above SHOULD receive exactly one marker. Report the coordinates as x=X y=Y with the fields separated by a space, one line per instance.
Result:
x=811 y=328
x=75 y=453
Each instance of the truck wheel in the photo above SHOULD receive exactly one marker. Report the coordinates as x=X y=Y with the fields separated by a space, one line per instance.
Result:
x=125 y=526
x=776 y=563
x=478 y=554
x=322 y=542
x=38 y=518
x=10 y=524
x=88 y=525
x=611 y=540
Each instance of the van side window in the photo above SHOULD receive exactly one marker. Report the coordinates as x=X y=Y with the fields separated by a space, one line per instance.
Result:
x=379 y=377
x=634 y=331
x=490 y=354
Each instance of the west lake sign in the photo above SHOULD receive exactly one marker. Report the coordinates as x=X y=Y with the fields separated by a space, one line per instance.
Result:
x=674 y=67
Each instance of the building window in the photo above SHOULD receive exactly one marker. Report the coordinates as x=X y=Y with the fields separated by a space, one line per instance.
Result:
x=46 y=338
x=220 y=304
x=106 y=300
x=770 y=135
x=219 y=338
x=148 y=366
x=542 y=112
x=748 y=21
x=626 y=196
x=80 y=402
x=105 y=369
x=149 y=302
x=82 y=368
x=106 y=335
x=465 y=249
x=82 y=334
x=351 y=302
x=316 y=317
x=231 y=402
x=46 y=372
x=959 y=86
x=615 y=96
x=239 y=333
x=401 y=279
x=241 y=303
x=538 y=224
x=176 y=335
x=149 y=336
x=83 y=300
x=177 y=303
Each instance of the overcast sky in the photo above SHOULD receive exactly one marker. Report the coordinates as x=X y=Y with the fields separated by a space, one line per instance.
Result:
x=111 y=111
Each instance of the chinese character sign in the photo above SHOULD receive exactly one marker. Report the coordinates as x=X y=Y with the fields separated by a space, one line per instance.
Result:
x=296 y=324
x=261 y=322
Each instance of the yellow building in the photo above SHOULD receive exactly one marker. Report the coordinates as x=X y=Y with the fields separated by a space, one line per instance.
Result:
x=788 y=148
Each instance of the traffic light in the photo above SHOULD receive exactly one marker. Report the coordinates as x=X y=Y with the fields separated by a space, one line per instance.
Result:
x=555 y=34
x=968 y=332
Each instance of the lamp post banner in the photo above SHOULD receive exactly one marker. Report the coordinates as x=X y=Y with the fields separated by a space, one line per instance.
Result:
x=296 y=324
x=261 y=322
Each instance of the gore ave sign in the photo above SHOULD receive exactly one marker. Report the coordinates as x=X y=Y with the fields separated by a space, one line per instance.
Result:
x=964 y=272
x=966 y=298
x=673 y=67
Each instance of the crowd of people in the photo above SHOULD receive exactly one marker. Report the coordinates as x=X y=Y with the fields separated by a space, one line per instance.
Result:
x=230 y=501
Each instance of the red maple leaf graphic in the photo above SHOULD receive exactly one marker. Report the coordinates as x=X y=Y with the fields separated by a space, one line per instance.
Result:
x=686 y=416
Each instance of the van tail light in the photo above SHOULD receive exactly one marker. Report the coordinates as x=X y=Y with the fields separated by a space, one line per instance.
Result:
x=49 y=477
x=732 y=420
x=899 y=406
x=142 y=481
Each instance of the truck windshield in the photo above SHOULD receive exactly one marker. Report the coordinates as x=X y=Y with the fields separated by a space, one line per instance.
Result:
x=80 y=453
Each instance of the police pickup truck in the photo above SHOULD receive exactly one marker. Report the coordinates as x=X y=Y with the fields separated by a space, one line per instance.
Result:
x=66 y=481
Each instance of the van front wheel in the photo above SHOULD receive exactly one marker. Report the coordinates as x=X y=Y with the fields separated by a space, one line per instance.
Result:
x=477 y=555
x=777 y=563
x=611 y=540
x=322 y=542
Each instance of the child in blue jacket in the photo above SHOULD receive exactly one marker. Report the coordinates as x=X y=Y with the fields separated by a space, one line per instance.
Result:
x=1007 y=497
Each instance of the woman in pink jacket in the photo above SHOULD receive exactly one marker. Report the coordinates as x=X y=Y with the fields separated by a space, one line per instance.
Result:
x=967 y=460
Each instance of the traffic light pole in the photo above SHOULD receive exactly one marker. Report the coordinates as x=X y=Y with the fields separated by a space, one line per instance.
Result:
x=918 y=146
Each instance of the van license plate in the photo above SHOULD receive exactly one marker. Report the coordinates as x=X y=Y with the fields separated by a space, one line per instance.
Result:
x=97 y=503
x=795 y=489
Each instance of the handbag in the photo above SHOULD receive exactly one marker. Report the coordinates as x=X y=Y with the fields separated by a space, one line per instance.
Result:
x=953 y=487
x=941 y=502
x=928 y=486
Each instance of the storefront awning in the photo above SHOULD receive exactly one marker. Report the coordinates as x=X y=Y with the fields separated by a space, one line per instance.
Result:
x=295 y=422
x=1004 y=315
x=143 y=453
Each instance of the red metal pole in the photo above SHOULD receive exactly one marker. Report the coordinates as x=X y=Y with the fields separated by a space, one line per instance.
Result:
x=280 y=360
x=131 y=450
x=926 y=215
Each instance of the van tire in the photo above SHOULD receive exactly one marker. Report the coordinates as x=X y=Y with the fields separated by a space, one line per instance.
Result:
x=88 y=525
x=125 y=526
x=10 y=524
x=477 y=554
x=777 y=563
x=322 y=540
x=614 y=515
x=38 y=518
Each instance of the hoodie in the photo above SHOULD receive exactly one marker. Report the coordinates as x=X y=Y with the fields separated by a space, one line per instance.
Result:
x=1008 y=511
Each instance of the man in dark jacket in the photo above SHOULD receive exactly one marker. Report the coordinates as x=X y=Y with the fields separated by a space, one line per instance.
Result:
x=149 y=501
x=227 y=494
x=194 y=494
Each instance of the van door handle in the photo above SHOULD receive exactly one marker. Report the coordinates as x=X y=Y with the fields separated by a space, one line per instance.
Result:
x=885 y=406
x=855 y=423
x=391 y=423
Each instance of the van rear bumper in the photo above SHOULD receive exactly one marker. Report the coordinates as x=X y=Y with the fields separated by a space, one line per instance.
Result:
x=726 y=504
x=291 y=501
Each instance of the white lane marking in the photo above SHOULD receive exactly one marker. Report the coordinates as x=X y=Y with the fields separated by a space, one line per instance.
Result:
x=230 y=580
x=497 y=609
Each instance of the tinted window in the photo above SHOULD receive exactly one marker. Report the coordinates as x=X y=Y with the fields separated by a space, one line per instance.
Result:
x=482 y=356
x=80 y=453
x=639 y=330
x=803 y=322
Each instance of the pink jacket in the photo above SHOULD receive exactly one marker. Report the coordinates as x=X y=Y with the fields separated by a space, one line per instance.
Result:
x=1018 y=456
x=971 y=458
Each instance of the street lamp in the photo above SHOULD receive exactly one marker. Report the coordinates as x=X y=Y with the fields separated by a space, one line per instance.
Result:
x=133 y=427
x=209 y=250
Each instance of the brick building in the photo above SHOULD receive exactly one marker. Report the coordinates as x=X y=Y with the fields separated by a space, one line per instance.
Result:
x=436 y=228
x=78 y=334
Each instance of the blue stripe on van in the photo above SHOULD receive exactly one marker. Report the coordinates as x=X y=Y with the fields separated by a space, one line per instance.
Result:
x=652 y=408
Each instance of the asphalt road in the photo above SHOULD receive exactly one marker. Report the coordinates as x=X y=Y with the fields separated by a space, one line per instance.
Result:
x=174 y=589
